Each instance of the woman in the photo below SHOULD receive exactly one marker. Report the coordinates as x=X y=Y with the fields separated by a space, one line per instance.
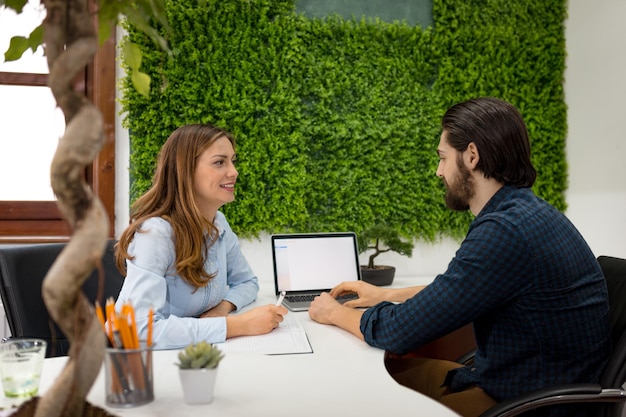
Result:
x=179 y=254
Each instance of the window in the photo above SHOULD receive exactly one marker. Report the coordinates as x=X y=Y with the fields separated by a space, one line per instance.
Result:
x=30 y=126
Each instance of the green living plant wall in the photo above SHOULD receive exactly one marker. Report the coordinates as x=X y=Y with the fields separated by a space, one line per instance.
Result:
x=337 y=120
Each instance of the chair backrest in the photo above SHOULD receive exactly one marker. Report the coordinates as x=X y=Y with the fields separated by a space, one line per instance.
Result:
x=614 y=270
x=22 y=270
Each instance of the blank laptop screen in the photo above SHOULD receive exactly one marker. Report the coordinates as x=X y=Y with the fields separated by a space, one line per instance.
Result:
x=314 y=261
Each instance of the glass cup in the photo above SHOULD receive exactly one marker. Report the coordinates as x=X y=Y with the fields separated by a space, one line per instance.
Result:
x=128 y=376
x=20 y=366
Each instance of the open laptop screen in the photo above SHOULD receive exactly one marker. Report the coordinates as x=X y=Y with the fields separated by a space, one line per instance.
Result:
x=314 y=261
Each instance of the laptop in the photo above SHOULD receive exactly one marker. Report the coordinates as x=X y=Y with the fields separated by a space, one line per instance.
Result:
x=307 y=264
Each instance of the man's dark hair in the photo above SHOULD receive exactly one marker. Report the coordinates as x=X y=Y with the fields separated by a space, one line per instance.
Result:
x=499 y=133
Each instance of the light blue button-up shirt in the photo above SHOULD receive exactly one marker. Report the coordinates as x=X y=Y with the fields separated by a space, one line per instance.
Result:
x=151 y=280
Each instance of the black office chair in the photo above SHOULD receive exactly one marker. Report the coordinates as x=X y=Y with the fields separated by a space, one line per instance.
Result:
x=611 y=389
x=22 y=270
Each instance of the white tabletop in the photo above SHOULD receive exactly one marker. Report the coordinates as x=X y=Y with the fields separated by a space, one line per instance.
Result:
x=342 y=375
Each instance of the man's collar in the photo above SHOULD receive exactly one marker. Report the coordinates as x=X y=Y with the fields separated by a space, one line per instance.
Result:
x=496 y=199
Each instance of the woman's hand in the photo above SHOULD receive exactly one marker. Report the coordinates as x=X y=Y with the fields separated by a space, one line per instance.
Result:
x=259 y=320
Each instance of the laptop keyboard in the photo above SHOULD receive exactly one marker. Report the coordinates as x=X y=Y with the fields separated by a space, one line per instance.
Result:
x=300 y=298
x=347 y=297
x=310 y=297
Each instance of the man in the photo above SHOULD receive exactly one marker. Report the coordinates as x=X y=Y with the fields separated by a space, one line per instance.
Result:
x=523 y=275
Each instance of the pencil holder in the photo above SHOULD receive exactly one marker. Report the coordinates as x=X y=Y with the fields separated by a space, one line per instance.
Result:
x=128 y=376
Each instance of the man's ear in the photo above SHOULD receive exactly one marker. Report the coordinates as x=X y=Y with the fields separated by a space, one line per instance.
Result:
x=471 y=156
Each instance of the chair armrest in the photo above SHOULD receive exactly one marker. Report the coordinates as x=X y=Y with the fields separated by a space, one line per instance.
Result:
x=467 y=358
x=558 y=394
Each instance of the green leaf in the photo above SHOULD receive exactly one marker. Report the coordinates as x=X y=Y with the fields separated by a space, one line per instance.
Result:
x=17 y=5
x=20 y=44
x=158 y=10
x=132 y=55
x=143 y=23
x=108 y=13
x=104 y=31
x=36 y=38
x=17 y=47
x=141 y=82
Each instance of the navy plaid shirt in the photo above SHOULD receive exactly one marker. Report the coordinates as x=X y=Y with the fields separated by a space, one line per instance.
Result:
x=533 y=289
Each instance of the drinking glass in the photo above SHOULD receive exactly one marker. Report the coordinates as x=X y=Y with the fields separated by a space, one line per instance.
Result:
x=20 y=366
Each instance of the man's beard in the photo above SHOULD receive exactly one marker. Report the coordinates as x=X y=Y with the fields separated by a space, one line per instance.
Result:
x=461 y=191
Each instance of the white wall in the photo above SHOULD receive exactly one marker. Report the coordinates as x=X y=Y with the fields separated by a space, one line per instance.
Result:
x=594 y=86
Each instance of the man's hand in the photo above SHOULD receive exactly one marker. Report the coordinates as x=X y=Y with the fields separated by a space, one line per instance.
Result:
x=369 y=295
x=322 y=308
x=326 y=310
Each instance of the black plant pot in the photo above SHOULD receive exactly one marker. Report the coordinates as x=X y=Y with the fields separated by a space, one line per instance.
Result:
x=380 y=275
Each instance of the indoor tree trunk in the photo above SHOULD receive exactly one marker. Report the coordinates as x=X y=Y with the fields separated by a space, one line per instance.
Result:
x=70 y=44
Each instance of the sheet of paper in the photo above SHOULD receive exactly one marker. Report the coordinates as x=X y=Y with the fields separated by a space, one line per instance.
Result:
x=287 y=338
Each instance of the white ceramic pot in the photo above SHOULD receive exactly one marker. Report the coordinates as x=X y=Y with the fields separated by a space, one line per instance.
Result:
x=198 y=384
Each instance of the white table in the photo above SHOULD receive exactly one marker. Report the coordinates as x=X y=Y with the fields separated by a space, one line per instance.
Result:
x=343 y=376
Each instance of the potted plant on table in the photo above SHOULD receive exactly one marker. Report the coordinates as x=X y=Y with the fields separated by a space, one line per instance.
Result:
x=381 y=238
x=197 y=365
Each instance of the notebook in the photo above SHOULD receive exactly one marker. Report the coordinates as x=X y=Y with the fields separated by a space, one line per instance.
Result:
x=309 y=263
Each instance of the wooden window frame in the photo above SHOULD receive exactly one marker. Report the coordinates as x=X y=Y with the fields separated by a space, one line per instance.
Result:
x=41 y=221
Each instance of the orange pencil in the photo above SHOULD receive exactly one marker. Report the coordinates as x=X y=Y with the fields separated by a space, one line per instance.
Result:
x=148 y=367
x=129 y=313
x=110 y=316
x=134 y=359
x=100 y=315
x=108 y=332
x=150 y=321
x=121 y=323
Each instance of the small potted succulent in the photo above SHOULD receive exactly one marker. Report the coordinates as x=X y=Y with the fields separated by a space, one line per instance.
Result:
x=381 y=238
x=197 y=365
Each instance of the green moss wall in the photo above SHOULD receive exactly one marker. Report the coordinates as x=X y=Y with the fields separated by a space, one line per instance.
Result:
x=337 y=120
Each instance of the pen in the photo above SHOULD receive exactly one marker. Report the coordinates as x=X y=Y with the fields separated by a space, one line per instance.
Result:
x=280 y=299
